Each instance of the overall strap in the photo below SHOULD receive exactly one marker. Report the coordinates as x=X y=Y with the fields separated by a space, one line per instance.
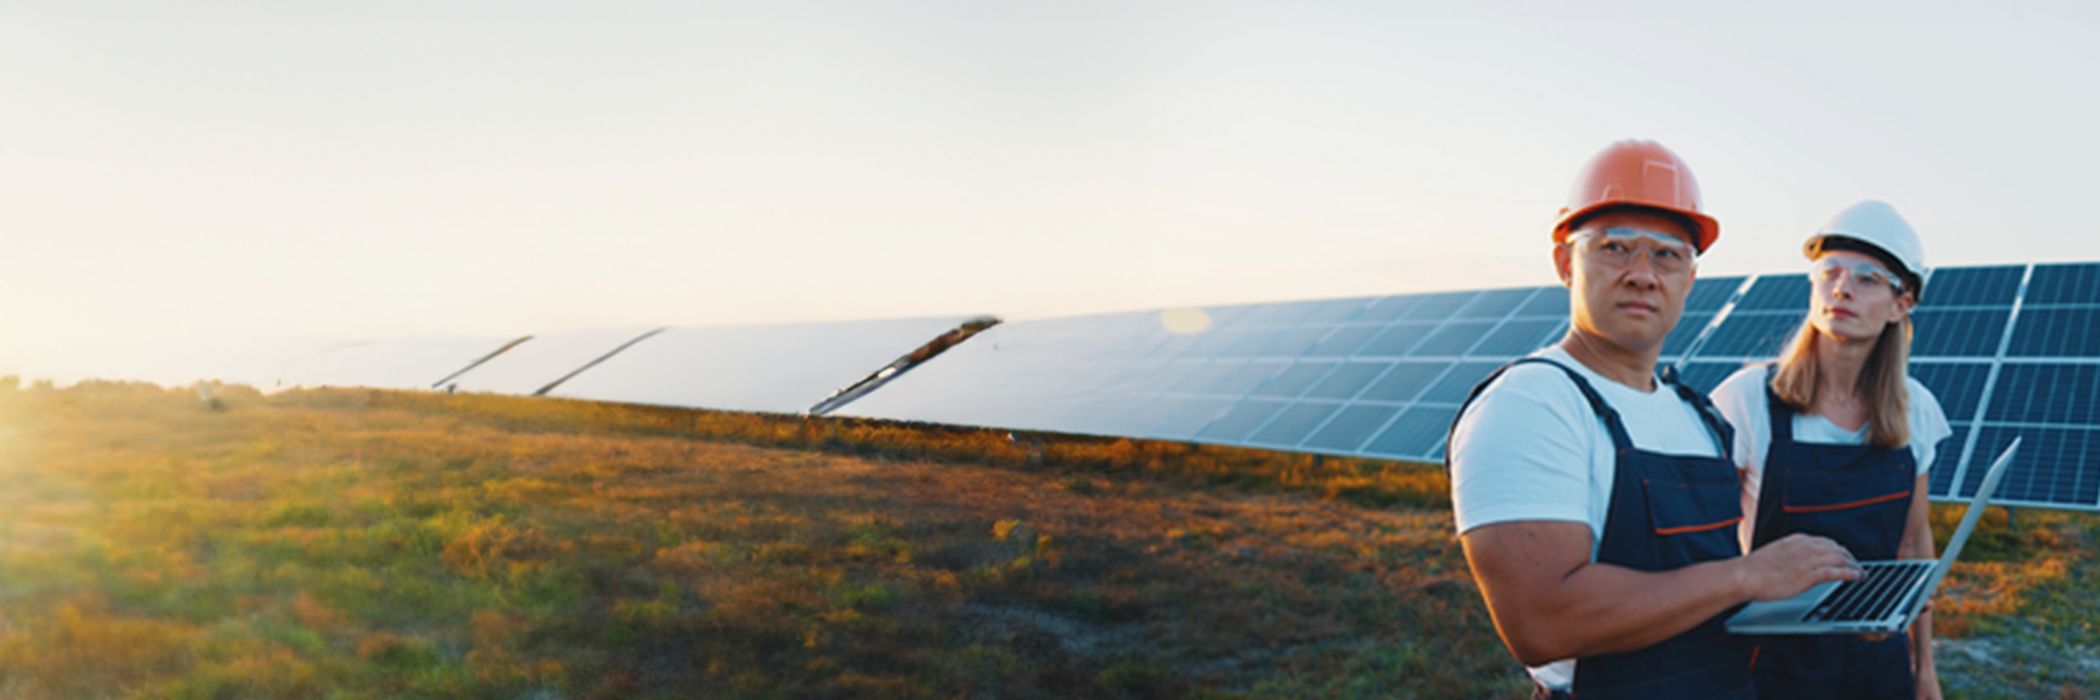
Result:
x=1612 y=424
x=1781 y=415
x=1722 y=431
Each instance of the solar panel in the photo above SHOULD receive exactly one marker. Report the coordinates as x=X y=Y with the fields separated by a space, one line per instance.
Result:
x=1709 y=294
x=782 y=369
x=1776 y=292
x=2057 y=332
x=1973 y=286
x=2074 y=283
x=1957 y=332
x=1751 y=335
x=1383 y=377
x=1957 y=385
x=541 y=360
x=402 y=363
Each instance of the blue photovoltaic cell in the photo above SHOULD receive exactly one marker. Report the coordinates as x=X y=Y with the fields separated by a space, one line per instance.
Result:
x=1757 y=335
x=1776 y=292
x=1348 y=379
x=1180 y=418
x=1396 y=340
x=1439 y=306
x=1283 y=343
x=1351 y=428
x=2061 y=332
x=1496 y=303
x=1405 y=381
x=1957 y=385
x=1688 y=328
x=2054 y=465
x=1704 y=376
x=2076 y=283
x=1293 y=380
x=1205 y=378
x=1344 y=340
x=1417 y=433
x=1945 y=460
x=1971 y=333
x=1551 y=301
x=1709 y=294
x=2067 y=394
x=1973 y=286
x=1514 y=338
x=1388 y=308
x=1237 y=423
x=1453 y=339
x=1294 y=423
x=1456 y=384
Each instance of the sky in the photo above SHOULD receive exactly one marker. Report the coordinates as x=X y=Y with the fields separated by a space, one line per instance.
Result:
x=180 y=171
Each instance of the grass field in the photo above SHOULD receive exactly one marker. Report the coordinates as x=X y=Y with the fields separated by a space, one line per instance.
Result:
x=379 y=544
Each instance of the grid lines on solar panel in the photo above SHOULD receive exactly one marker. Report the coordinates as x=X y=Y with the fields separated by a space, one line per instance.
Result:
x=1945 y=460
x=1240 y=421
x=1957 y=332
x=1495 y=303
x=1704 y=376
x=1688 y=328
x=1458 y=382
x=1549 y=302
x=1416 y=434
x=1708 y=295
x=1775 y=292
x=1756 y=335
x=2056 y=332
x=1438 y=306
x=1351 y=428
x=1293 y=424
x=1973 y=286
x=2064 y=283
x=2063 y=394
x=1452 y=339
x=1957 y=385
x=2052 y=468
x=1518 y=337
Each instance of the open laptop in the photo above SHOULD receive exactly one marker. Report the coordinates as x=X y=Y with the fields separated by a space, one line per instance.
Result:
x=1881 y=602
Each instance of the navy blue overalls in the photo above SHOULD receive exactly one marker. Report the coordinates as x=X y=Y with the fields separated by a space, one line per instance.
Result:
x=1667 y=512
x=1860 y=496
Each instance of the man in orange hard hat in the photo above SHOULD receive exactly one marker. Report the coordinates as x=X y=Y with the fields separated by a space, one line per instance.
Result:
x=1596 y=500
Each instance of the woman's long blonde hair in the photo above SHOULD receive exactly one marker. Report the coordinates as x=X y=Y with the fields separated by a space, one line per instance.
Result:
x=1881 y=382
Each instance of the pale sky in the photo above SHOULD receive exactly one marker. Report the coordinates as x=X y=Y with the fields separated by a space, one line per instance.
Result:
x=379 y=169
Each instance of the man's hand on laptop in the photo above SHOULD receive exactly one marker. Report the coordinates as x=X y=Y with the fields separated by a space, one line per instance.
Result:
x=1791 y=564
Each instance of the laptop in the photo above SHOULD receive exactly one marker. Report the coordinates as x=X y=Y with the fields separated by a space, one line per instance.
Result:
x=1884 y=600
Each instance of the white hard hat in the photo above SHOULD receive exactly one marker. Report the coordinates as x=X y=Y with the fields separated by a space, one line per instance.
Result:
x=1877 y=225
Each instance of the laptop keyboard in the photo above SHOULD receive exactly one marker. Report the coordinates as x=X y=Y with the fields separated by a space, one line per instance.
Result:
x=1872 y=597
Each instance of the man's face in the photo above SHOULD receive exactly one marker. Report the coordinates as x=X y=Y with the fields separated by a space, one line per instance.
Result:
x=1628 y=273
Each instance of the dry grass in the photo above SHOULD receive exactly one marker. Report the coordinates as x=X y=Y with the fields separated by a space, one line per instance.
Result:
x=374 y=544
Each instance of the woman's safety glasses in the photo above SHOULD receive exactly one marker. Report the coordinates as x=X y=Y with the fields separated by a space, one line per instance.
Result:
x=1866 y=276
x=1618 y=245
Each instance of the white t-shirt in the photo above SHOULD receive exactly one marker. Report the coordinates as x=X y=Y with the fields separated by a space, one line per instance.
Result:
x=1532 y=448
x=1743 y=401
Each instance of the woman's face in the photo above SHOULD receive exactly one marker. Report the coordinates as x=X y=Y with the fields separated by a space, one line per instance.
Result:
x=1853 y=297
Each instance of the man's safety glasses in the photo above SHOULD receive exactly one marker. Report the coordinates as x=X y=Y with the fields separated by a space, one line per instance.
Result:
x=1866 y=276
x=1617 y=245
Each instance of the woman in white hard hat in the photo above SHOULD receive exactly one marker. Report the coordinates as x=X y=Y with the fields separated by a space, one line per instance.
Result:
x=1835 y=439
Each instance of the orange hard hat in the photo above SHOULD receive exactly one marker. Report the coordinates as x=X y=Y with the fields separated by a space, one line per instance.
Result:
x=1639 y=174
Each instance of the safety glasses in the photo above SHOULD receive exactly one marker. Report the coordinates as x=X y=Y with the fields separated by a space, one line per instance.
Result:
x=1866 y=276
x=1617 y=246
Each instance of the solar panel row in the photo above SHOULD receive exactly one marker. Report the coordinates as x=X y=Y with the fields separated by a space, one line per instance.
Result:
x=1384 y=377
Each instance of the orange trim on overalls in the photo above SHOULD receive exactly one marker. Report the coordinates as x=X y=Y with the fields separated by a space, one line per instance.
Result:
x=1847 y=506
x=1698 y=528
